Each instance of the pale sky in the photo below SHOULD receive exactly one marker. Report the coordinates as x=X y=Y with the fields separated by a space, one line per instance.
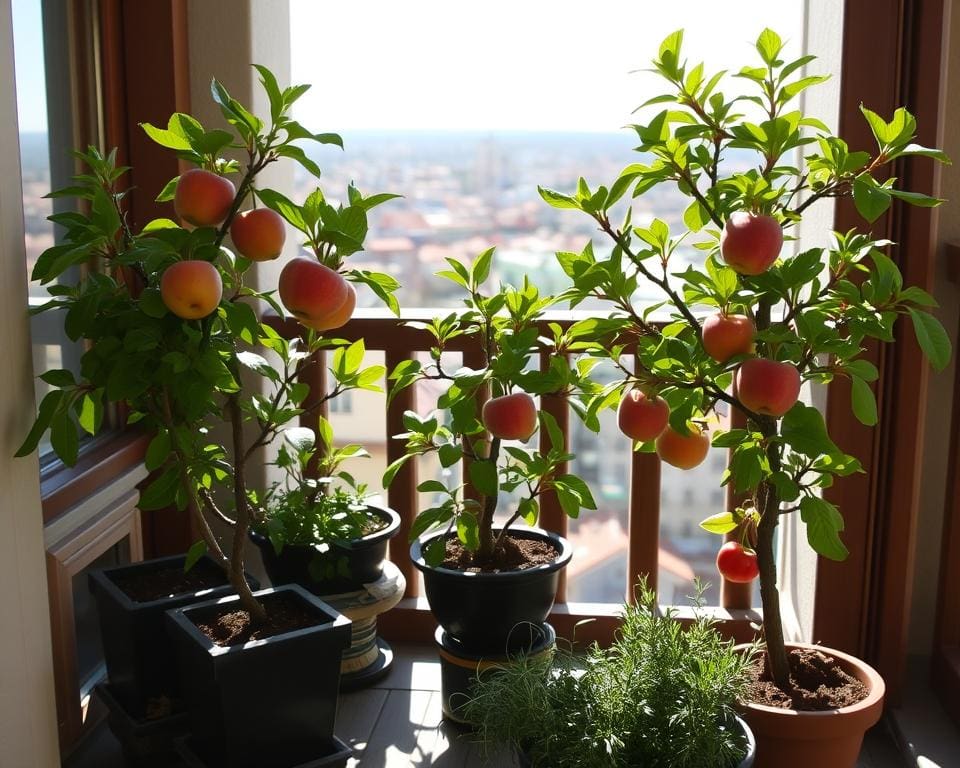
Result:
x=509 y=64
x=28 y=55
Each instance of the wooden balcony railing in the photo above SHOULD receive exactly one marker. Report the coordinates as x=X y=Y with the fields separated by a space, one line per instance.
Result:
x=398 y=341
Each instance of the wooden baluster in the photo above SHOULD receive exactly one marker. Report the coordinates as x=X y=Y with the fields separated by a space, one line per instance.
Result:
x=552 y=516
x=402 y=495
x=314 y=376
x=643 y=528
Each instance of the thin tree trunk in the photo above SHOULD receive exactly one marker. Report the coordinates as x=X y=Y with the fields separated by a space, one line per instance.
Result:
x=772 y=621
x=487 y=541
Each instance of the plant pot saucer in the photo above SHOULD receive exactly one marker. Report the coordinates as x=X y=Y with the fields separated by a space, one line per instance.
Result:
x=335 y=755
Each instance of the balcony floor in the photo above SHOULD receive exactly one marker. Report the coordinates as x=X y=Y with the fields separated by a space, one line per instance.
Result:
x=399 y=724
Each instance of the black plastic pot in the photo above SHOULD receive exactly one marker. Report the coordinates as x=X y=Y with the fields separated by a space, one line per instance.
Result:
x=364 y=558
x=747 y=761
x=480 y=610
x=270 y=702
x=333 y=755
x=145 y=743
x=140 y=663
x=460 y=669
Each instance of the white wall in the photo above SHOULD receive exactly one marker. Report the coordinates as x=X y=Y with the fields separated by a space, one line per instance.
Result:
x=28 y=724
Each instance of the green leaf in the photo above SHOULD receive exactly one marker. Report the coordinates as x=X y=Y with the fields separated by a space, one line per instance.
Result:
x=166 y=138
x=870 y=199
x=932 y=338
x=916 y=149
x=197 y=550
x=285 y=207
x=468 y=531
x=480 y=269
x=529 y=510
x=48 y=407
x=90 y=414
x=483 y=477
x=64 y=438
x=59 y=378
x=435 y=552
x=557 y=200
x=696 y=216
x=431 y=486
x=158 y=451
x=769 y=46
x=863 y=402
x=803 y=430
x=161 y=492
x=824 y=523
x=449 y=454
x=395 y=466
x=720 y=523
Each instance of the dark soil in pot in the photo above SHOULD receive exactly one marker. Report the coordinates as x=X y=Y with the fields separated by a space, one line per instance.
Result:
x=818 y=682
x=264 y=695
x=479 y=606
x=131 y=603
x=345 y=567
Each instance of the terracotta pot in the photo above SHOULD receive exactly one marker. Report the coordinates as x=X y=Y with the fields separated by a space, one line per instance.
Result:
x=789 y=738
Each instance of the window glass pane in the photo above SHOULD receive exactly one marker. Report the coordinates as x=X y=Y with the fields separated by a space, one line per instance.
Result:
x=51 y=347
x=464 y=112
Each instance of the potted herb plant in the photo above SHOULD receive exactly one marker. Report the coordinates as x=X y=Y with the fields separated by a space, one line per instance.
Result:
x=611 y=706
x=484 y=578
x=321 y=530
x=169 y=323
x=773 y=321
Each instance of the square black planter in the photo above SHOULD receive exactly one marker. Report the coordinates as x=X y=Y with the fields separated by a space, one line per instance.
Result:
x=270 y=702
x=140 y=661
x=145 y=743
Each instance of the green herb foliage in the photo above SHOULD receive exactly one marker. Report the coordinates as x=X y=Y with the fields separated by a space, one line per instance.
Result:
x=661 y=696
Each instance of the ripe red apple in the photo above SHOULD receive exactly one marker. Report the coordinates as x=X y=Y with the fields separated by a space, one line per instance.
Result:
x=725 y=336
x=511 y=417
x=767 y=386
x=683 y=451
x=340 y=316
x=311 y=292
x=737 y=564
x=203 y=198
x=258 y=234
x=750 y=243
x=191 y=289
x=642 y=418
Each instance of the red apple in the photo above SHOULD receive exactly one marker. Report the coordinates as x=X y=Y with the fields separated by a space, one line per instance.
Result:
x=683 y=451
x=750 y=243
x=258 y=234
x=203 y=198
x=725 y=336
x=311 y=292
x=737 y=564
x=511 y=417
x=642 y=418
x=767 y=386
x=191 y=289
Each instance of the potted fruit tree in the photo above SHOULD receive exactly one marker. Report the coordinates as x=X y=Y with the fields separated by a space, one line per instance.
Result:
x=490 y=586
x=773 y=321
x=170 y=323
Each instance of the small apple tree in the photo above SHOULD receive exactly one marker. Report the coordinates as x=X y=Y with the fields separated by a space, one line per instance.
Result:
x=776 y=321
x=484 y=413
x=169 y=322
